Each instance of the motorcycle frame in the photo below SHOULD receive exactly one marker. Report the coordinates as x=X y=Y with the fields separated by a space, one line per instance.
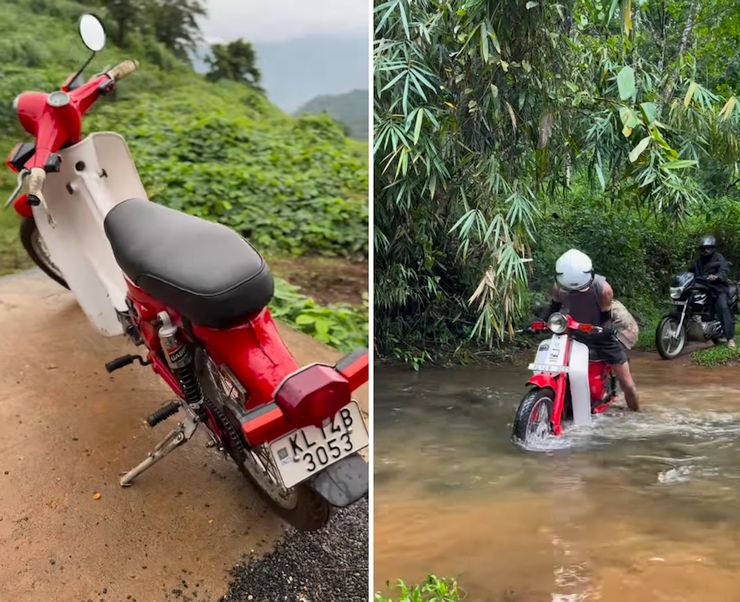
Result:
x=558 y=381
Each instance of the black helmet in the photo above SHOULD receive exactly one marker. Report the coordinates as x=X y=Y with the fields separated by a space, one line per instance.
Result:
x=707 y=241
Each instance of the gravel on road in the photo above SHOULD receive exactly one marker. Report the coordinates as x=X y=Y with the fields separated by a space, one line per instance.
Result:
x=329 y=565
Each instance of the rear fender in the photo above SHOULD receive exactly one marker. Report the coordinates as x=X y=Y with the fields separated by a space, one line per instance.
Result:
x=342 y=483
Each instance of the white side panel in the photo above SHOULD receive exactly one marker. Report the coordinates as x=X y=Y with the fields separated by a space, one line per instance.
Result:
x=578 y=377
x=97 y=173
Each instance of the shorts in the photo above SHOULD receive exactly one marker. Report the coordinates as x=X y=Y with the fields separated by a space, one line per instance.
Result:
x=604 y=347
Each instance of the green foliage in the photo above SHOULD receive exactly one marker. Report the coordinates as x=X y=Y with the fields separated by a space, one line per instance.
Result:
x=434 y=589
x=236 y=60
x=217 y=150
x=720 y=355
x=340 y=325
x=488 y=114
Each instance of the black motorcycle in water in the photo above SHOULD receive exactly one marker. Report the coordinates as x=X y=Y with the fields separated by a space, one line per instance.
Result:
x=693 y=317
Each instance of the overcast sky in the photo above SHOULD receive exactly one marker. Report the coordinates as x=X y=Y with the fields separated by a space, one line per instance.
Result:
x=279 y=20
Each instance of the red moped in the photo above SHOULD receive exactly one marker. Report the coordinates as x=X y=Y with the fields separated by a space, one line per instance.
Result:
x=195 y=295
x=566 y=385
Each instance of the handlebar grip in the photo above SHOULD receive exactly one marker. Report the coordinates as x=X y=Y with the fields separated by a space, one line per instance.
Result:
x=36 y=185
x=123 y=69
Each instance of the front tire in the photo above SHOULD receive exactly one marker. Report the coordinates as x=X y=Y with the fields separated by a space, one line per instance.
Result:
x=669 y=347
x=35 y=246
x=300 y=505
x=533 y=421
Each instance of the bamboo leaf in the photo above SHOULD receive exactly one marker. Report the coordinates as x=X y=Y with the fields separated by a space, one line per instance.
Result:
x=626 y=83
x=689 y=93
x=638 y=150
x=417 y=127
x=681 y=164
x=627 y=18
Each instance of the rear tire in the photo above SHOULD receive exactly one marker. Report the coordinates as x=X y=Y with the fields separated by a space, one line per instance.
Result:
x=533 y=419
x=300 y=505
x=36 y=249
x=667 y=348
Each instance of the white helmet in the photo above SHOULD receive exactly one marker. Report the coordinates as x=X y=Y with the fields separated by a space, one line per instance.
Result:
x=574 y=270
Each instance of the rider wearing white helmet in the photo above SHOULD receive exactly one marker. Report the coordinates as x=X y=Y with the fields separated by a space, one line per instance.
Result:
x=588 y=298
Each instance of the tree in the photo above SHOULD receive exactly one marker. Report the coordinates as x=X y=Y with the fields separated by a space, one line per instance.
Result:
x=127 y=15
x=175 y=24
x=236 y=60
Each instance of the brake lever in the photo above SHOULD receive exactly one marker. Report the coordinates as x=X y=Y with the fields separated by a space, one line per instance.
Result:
x=19 y=186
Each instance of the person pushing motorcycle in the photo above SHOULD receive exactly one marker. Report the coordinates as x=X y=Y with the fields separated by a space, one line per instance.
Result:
x=588 y=298
x=712 y=266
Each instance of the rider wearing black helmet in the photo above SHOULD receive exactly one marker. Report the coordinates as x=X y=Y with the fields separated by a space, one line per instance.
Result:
x=712 y=266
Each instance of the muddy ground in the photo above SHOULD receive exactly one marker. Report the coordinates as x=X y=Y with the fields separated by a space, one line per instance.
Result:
x=67 y=429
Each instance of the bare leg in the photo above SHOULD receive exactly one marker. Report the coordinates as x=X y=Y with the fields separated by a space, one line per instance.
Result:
x=624 y=377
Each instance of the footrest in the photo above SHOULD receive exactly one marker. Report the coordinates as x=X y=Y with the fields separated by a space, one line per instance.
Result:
x=163 y=413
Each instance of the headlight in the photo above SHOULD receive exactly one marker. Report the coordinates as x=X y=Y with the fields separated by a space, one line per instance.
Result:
x=557 y=323
x=676 y=292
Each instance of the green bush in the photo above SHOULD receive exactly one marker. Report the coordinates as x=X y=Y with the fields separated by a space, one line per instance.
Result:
x=339 y=325
x=434 y=589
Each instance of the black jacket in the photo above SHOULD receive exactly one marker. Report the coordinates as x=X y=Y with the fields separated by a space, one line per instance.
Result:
x=714 y=264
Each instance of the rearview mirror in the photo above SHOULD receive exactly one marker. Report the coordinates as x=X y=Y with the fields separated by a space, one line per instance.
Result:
x=92 y=32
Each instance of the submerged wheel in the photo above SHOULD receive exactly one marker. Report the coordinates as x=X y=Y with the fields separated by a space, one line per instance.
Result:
x=533 y=421
x=35 y=246
x=301 y=506
x=668 y=341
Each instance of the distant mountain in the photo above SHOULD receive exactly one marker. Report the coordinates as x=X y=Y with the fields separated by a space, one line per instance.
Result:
x=349 y=109
x=295 y=71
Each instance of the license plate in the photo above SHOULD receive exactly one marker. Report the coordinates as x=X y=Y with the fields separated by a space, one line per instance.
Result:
x=309 y=450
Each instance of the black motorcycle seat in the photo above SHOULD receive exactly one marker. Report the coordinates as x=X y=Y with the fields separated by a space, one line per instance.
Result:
x=203 y=270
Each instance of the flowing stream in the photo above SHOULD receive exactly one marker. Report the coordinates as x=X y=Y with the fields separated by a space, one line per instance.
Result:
x=636 y=507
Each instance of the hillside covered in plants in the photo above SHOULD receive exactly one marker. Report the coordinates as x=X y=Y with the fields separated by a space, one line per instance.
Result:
x=294 y=186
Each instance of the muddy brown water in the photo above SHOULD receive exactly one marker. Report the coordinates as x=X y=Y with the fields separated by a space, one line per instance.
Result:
x=635 y=507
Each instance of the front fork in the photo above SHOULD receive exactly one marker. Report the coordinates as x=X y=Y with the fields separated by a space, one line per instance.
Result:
x=674 y=336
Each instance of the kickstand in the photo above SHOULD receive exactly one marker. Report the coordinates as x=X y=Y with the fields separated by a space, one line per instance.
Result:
x=174 y=439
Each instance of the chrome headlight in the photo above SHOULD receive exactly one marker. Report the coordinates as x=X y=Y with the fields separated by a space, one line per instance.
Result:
x=676 y=292
x=557 y=323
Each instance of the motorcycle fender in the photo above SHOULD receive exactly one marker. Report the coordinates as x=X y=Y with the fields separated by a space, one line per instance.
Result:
x=96 y=174
x=579 y=390
x=543 y=381
x=343 y=483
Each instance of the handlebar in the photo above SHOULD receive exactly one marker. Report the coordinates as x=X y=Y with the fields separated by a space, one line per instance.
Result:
x=123 y=69
x=36 y=181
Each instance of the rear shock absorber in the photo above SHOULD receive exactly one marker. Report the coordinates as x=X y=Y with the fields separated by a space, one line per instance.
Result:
x=180 y=359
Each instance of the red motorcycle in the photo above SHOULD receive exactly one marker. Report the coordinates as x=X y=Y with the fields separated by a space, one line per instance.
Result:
x=566 y=384
x=195 y=294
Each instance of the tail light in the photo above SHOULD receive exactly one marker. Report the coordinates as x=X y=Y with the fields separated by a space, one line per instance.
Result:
x=307 y=396
x=313 y=394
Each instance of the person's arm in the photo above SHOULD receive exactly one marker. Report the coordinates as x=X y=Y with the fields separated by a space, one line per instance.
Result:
x=723 y=273
x=555 y=303
x=605 y=305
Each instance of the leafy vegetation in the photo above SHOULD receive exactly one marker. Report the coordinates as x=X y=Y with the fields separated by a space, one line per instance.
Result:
x=716 y=356
x=506 y=133
x=236 y=60
x=434 y=589
x=341 y=325
x=349 y=109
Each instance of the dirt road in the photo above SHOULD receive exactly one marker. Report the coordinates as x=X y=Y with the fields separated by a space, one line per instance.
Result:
x=67 y=429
